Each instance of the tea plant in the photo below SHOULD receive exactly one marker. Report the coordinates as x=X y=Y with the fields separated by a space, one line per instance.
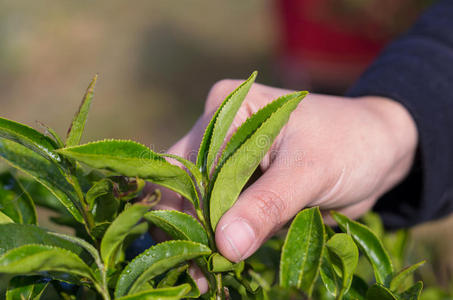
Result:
x=98 y=190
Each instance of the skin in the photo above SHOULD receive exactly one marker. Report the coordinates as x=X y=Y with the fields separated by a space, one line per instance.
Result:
x=337 y=153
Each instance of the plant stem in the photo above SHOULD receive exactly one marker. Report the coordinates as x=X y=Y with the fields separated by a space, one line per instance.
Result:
x=219 y=293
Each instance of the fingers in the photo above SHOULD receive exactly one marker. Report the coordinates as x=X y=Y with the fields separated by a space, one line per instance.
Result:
x=263 y=209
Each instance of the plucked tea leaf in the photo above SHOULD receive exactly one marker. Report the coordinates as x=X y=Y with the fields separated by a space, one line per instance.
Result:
x=26 y=288
x=402 y=275
x=239 y=167
x=168 y=293
x=155 y=261
x=78 y=123
x=369 y=244
x=412 y=293
x=132 y=159
x=31 y=259
x=380 y=292
x=119 y=230
x=301 y=254
x=29 y=138
x=178 y=225
x=216 y=131
x=43 y=171
x=344 y=256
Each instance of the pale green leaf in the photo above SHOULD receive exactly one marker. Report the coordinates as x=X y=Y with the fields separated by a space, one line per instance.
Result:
x=301 y=254
x=402 y=275
x=78 y=124
x=172 y=276
x=234 y=173
x=369 y=244
x=155 y=261
x=132 y=159
x=191 y=167
x=4 y=219
x=26 y=288
x=178 y=225
x=44 y=171
x=49 y=131
x=169 y=293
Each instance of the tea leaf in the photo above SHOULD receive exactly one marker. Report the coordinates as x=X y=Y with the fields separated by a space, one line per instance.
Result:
x=412 y=293
x=328 y=276
x=155 y=261
x=119 y=230
x=344 y=255
x=301 y=254
x=172 y=276
x=101 y=188
x=380 y=292
x=402 y=275
x=43 y=258
x=217 y=128
x=237 y=169
x=358 y=289
x=178 y=225
x=53 y=134
x=78 y=123
x=132 y=159
x=191 y=167
x=4 y=219
x=26 y=288
x=29 y=138
x=369 y=244
x=43 y=171
x=168 y=293
x=218 y=264
x=194 y=291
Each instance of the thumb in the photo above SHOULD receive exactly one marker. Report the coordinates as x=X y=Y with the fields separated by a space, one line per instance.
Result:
x=261 y=210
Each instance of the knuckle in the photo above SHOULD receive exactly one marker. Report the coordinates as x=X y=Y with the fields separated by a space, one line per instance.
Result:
x=271 y=207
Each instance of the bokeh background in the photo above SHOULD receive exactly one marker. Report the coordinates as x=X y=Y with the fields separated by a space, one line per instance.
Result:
x=157 y=60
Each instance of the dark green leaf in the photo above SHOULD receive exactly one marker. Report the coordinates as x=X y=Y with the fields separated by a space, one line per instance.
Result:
x=380 y=292
x=217 y=128
x=169 y=293
x=178 y=225
x=132 y=159
x=26 y=288
x=172 y=276
x=119 y=230
x=43 y=171
x=358 y=289
x=194 y=291
x=234 y=173
x=101 y=188
x=155 y=261
x=402 y=275
x=413 y=293
x=29 y=138
x=78 y=124
x=302 y=251
x=369 y=244
x=328 y=276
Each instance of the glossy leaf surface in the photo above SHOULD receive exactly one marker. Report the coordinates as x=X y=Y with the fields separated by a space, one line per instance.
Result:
x=155 y=261
x=43 y=171
x=26 y=288
x=234 y=173
x=358 y=289
x=380 y=292
x=132 y=159
x=169 y=293
x=78 y=123
x=217 y=128
x=178 y=225
x=302 y=251
x=369 y=244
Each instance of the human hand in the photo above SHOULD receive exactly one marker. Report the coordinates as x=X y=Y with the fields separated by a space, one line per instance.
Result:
x=335 y=152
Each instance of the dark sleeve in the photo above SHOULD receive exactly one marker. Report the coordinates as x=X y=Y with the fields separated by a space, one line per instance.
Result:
x=417 y=71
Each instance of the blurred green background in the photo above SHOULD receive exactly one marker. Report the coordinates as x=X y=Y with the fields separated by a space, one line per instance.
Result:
x=156 y=62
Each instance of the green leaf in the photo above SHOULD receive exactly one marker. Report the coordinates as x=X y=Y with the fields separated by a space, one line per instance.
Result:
x=216 y=131
x=119 y=230
x=26 y=288
x=31 y=259
x=4 y=219
x=412 y=293
x=169 y=293
x=172 y=276
x=328 y=276
x=219 y=264
x=301 y=254
x=191 y=167
x=358 y=289
x=17 y=235
x=43 y=171
x=132 y=159
x=234 y=173
x=369 y=244
x=344 y=255
x=194 y=291
x=101 y=188
x=380 y=292
x=29 y=138
x=15 y=201
x=155 y=261
x=178 y=225
x=78 y=124
x=53 y=134
x=401 y=276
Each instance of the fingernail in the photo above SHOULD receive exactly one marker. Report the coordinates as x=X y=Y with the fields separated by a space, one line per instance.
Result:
x=240 y=237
